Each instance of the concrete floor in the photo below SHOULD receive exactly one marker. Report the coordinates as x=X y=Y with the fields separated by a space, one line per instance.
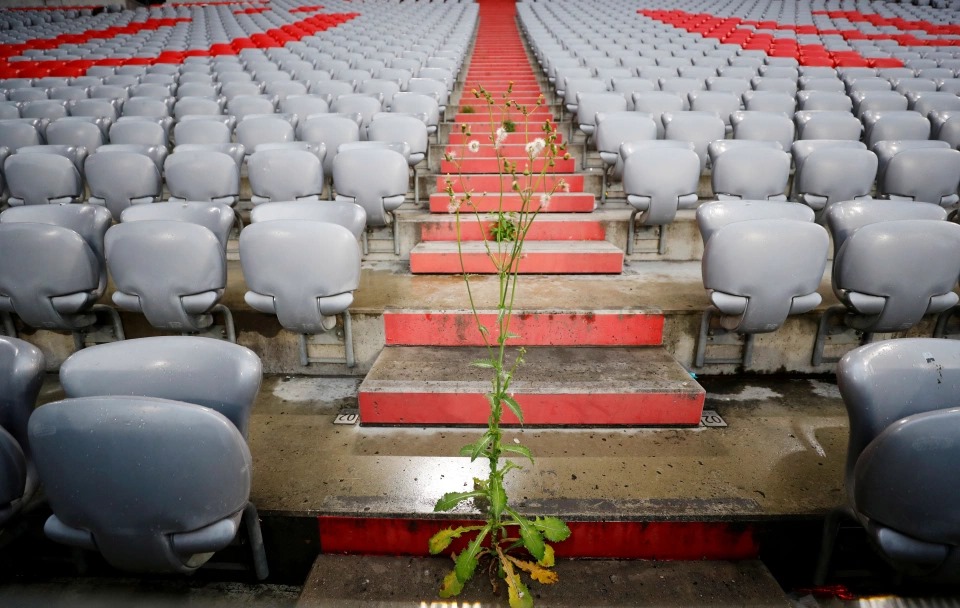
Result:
x=781 y=456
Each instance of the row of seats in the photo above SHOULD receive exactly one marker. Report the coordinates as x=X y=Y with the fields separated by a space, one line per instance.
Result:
x=168 y=262
x=145 y=460
x=894 y=263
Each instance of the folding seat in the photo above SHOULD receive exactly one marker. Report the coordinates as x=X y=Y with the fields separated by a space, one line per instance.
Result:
x=306 y=298
x=757 y=272
x=379 y=194
x=408 y=129
x=398 y=75
x=751 y=173
x=674 y=62
x=878 y=246
x=770 y=71
x=76 y=131
x=158 y=154
x=946 y=126
x=655 y=104
x=237 y=89
x=682 y=87
x=659 y=177
x=783 y=85
x=173 y=272
x=927 y=102
x=894 y=125
x=698 y=72
x=243 y=105
x=98 y=107
x=613 y=129
x=280 y=89
x=951 y=85
x=119 y=179
x=628 y=86
x=769 y=101
x=85 y=81
x=68 y=93
x=829 y=171
x=825 y=124
x=203 y=129
x=808 y=83
x=764 y=126
x=905 y=85
x=187 y=106
x=49 y=109
x=141 y=132
x=877 y=101
x=899 y=397
x=698 y=128
x=330 y=130
x=737 y=86
x=723 y=103
x=349 y=215
x=259 y=129
x=424 y=106
x=198 y=89
x=739 y=72
x=589 y=104
x=173 y=515
x=147 y=106
x=27 y=95
x=385 y=89
x=21 y=375
x=216 y=217
x=443 y=75
x=874 y=83
x=930 y=175
x=157 y=91
x=202 y=175
x=9 y=109
x=284 y=175
x=408 y=63
x=824 y=101
x=40 y=179
x=304 y=105
x=40 y=289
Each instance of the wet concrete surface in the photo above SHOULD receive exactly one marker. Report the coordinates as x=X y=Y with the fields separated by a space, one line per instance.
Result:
x=781 y=455
x=385 y=582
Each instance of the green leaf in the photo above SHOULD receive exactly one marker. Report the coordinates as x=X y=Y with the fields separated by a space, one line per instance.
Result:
x=452 y=499
x=514 y=407
x=530 y=537
x=467 y=450
x=518 y=449
x=480 y=447
x=554 y=529
x=467 y=561
x=451 y=586
x=483 y=364
x=498 y=498
x=442 y=539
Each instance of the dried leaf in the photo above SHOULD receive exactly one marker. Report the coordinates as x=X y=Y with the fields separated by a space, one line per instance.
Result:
x=442 y=539
x=537 y=573
x=519 y=595
x=451 y=586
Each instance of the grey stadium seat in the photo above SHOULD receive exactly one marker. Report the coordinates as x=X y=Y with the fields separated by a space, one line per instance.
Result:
x=119 y=179
x=39 y=179
x=380 y=193
x=751 y=172
x=202 y=175
x=284 y=175
x=21 y=375
x=828 y=174
x=217 y=217
x=930 y=175
x=349 y=215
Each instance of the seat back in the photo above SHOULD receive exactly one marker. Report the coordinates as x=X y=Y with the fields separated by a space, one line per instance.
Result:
x=400 y=128
x=40 y=179
x=846 y=217
x=127 y=475
x=379 y=192
x=256 y=130
x=751 y=172
x=930 y=175
x=763 y=126
x=216 y=217
x=331 y=130
x=213 y=373
x=699 y=128
x=885 y=382
x=202 y=175
x=659 y=179
x=758 y=272
x=21 y=374
x=284 y=175
x=301 y=295
x=831 y=174
x=713 y=215
x=75 y=132
x=120 y=179
x=875 y=272
x=827 y=125
x=172 y=272
x=349 y=215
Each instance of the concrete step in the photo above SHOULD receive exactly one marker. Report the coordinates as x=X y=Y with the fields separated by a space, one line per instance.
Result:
x=547 y=227
x=556 y=386
x=503 y=183
x=484 y=165
x=560 y=202
x=539 y=257
x=532 y=328
x=516 y=137
x=338 y=581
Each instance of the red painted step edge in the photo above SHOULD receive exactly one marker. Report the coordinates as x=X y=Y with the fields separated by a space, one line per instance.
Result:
x=661 y=540
x=454 y=328
x=554 y=262
x=542 y=230
x=488 y=165
x=560 y=202
x=498 y=183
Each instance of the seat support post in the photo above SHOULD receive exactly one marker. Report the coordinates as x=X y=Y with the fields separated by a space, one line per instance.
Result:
x=349 y=357
x=712 y=332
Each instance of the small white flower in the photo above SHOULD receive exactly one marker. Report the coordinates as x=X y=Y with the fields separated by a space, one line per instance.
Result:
x=474 y=146
x=451 y=155
x=535 y=147
x=454 y=205
x=544 y=201
x=501 y=136
x=564 y=186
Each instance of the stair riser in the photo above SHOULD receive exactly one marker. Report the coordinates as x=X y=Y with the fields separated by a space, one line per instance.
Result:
x=516 y=138
x=661 y=540
x=479 y=166
x=496 y=183
x=542 y=230
x=534 y=329
x=531 y=263
x=589 y=410
x=559 y=203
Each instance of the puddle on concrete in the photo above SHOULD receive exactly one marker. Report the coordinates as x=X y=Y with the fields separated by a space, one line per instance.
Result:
x=747 y=393
x=827 y=390
x=316 y=389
